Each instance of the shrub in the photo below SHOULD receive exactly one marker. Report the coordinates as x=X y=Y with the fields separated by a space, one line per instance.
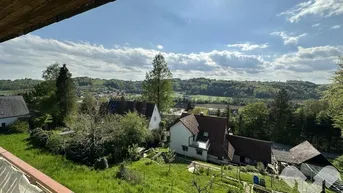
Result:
x=154 y=138
x=230 y=167
x=150 y=152
x=201 y=170
x=78 y=149
x=40 y=137
x=19 y=126
x=159 y=160
x=133 y=152
x=128 y=175
x=243 y=169
x=252 y=169
x=42 y=121
x=101 y=163
x=55 y=144
x=338 y=162
x=260 y=167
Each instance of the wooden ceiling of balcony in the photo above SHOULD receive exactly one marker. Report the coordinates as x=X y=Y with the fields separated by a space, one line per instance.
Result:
x=19 y=17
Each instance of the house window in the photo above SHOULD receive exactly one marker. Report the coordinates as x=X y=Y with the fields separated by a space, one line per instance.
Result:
x=3 y=124
x=199 y=152
x=185 y=148
x=205 y=134
x=154 y=118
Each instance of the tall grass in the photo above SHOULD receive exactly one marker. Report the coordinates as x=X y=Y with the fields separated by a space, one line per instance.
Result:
x=83 y=179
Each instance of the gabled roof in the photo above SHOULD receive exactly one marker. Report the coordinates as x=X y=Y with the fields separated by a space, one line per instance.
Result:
x=13 y=106
x=216 y=129
x=123 y=107
x=304 y=151
x=255 y=149
x=190 y=123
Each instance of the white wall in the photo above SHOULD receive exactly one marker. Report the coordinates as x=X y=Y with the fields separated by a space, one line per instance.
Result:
x=155 y=119
x=179 y=135
x=8 y=121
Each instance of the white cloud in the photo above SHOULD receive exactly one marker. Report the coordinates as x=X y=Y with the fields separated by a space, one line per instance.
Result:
x=316 y=25
x=160 y=47
x=289 y=38
x=335 y=27
x=248 y=46
x=27 y=56
x=313 y=59
x=321 y=8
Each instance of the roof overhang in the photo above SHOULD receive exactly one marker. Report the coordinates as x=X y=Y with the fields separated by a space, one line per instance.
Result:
x=19 y=17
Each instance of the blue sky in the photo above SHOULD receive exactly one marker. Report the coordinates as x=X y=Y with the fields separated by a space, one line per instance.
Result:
x=222 y=39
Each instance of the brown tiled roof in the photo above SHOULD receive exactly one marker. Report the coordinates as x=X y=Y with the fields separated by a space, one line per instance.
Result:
x=190 y=123
x=304 y=151
x=255 y=149
x=216 y=129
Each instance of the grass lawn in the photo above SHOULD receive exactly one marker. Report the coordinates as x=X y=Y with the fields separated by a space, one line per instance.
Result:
x=80 y=178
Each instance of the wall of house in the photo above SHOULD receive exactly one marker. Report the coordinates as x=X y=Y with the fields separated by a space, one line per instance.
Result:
x=215 y=159
x=155 y=119
x=8 y=121
x=180 y=135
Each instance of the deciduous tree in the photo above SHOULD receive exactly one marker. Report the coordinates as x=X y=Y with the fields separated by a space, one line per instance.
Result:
x=334 y=96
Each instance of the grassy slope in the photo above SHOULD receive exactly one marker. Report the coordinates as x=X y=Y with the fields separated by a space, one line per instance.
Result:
x=80 y=178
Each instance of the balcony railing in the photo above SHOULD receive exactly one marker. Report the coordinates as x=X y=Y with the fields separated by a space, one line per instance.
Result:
x=35 y=177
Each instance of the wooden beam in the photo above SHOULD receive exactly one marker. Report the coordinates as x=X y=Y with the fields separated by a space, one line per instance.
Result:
x=27 y=23
x=24 y=10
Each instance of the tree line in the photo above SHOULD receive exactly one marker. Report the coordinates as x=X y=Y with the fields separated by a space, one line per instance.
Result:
x=318 y=121
x=301 y=90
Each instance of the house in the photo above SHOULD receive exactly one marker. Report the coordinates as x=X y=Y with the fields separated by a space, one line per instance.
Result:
x=11 y=109
x=250 y=151
x=304 y=156
x=149 y=110
x=201 y=137
x=207 y=138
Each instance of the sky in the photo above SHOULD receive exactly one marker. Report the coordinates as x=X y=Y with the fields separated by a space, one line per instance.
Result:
x=264 y=40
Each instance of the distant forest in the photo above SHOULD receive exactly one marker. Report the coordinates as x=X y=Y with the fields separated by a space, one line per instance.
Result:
x=196 y=86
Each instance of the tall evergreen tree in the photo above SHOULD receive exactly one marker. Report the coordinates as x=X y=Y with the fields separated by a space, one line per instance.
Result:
x=157 y=86
x=65 y=94
x=334 y=96
x=281 y=114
